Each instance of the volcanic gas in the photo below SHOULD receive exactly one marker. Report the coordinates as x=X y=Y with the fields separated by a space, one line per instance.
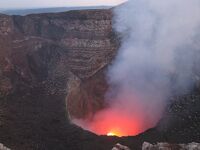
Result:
x=156 y=55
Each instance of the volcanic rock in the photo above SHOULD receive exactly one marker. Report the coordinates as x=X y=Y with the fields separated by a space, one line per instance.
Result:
x=2 y=147
x=50 y=50
x=45 y=58
x=120 y=147
x=167 y=146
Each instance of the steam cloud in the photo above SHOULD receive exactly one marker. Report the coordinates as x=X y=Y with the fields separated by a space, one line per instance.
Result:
x=157 y=53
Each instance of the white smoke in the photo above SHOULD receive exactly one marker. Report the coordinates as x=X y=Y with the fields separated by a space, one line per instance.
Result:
x=158 y=43
x=158 y=49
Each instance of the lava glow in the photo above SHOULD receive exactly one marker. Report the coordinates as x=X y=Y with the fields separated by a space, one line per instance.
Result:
x=111 y=134
x=112 y=122
x=115 y=123
x=122 y=119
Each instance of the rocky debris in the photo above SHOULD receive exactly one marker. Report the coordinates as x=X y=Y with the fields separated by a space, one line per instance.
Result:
x=167 y=146
x=2 y=147
x=120 y=147
x=162 y=146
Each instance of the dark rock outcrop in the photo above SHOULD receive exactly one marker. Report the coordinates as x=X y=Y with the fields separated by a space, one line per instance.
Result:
x=167 y=146
x=120 y=147
x=2 y=147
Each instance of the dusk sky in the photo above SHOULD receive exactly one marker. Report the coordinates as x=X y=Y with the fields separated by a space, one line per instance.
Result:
x=54 y=3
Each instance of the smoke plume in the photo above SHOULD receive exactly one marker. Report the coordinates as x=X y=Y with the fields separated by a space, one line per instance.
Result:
x=159 y=44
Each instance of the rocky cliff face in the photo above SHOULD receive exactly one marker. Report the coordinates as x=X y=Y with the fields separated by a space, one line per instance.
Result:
x=58 y=52
x=52 y=55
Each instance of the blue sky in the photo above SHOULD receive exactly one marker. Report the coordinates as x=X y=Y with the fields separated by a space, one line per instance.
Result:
x=54 y=3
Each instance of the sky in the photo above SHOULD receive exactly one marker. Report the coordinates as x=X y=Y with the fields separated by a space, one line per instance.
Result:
x=54 y=3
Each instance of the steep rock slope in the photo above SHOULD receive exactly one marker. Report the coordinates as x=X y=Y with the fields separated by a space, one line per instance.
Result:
x=43 y=59
x=49 y=50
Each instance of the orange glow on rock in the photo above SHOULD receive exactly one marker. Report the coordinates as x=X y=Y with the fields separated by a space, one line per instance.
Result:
x=122 y=119
x=114 y=123
x=111 y=134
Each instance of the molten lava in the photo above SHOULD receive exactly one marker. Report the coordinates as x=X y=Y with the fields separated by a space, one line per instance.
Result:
x=121 y=119
x=112 y=122
x=111 y=134
x=115 y=123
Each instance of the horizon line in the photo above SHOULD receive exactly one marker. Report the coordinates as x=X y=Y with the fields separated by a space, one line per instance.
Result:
x=73 y=6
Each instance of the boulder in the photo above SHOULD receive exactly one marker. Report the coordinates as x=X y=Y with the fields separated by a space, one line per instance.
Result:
x=2 y=147
x=119 y=146
x=167 y=146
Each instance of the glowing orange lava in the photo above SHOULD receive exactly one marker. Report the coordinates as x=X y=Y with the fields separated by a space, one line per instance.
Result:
x=111 y=134
x=115 y=123
x=121 y=119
